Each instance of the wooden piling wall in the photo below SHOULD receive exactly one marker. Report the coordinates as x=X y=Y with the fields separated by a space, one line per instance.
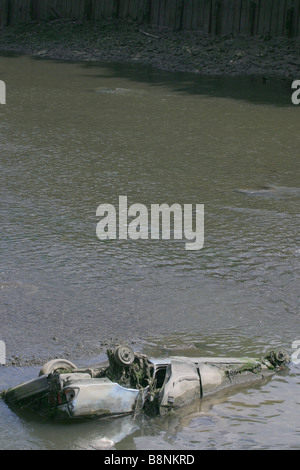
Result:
x=273 y=18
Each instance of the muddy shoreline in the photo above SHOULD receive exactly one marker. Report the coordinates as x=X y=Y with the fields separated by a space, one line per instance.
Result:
x=120 y=41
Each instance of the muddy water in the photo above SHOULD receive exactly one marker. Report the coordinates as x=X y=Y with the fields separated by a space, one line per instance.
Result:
x=73 y=136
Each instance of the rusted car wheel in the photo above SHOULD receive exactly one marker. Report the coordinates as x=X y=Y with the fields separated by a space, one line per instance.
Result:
x=282 y=356
x=57 y=364
x=124 y=356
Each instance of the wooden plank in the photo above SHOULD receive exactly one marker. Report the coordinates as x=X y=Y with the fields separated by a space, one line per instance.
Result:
x=184 y=15
x=22 y=12
x=274 y=17
x=213 y=17
x=200 y=15
x=227 y=20
x=257 y=26
x=179 y=13
x=67 y=7
x=16 y=12
x=101 y=9
x=296 y=17
x=261 y=18
x=130 y=8
x=237 y=7
x=81 y=11
x=155 y=12
x=3 y=13
x=54 y=5
x=253 y=18
x=298 y=21
x=74 y=9
x=116 y=8
x=57 y=5
x=130 y=2
x=96 y=12
x=216 y=17
x=171 y=9
x=63 y=7
x=8 y=12
x=25 y=10
x=28 y=13
x=148 y=10
x=229 y=15
x=207 y=16
x=167 y=12
x=37 y=9
x=289 y=18
x=268 y=17
x=141 y=11
x=244 y=22
x=193 y=22
x=162 y=12
x=281 y=18
x=137 y=9
x=124 y=5
x=31 y=10
x=60 y=6
x=223 y=16
x=195 y=14
x=13 y=6
x=70 y=8
x=187 y=15
x=109 y=7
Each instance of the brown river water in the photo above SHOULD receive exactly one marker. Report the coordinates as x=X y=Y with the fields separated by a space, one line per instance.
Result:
x=76 y=135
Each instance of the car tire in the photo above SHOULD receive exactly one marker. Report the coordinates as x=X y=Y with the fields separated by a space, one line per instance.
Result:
x=56 y=364
x=124 y=356
x=281 y=356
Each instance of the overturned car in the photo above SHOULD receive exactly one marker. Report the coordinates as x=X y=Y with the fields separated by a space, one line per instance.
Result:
x=130 y=382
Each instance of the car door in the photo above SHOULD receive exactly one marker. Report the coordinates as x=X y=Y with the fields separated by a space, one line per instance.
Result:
x=181 y=385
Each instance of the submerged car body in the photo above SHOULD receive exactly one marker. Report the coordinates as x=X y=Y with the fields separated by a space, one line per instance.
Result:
x=130 y=382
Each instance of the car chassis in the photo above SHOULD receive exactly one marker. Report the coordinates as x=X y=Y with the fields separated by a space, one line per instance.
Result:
x=130 y=382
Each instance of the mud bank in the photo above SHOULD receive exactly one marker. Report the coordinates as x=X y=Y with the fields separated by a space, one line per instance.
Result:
x=118 y=41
